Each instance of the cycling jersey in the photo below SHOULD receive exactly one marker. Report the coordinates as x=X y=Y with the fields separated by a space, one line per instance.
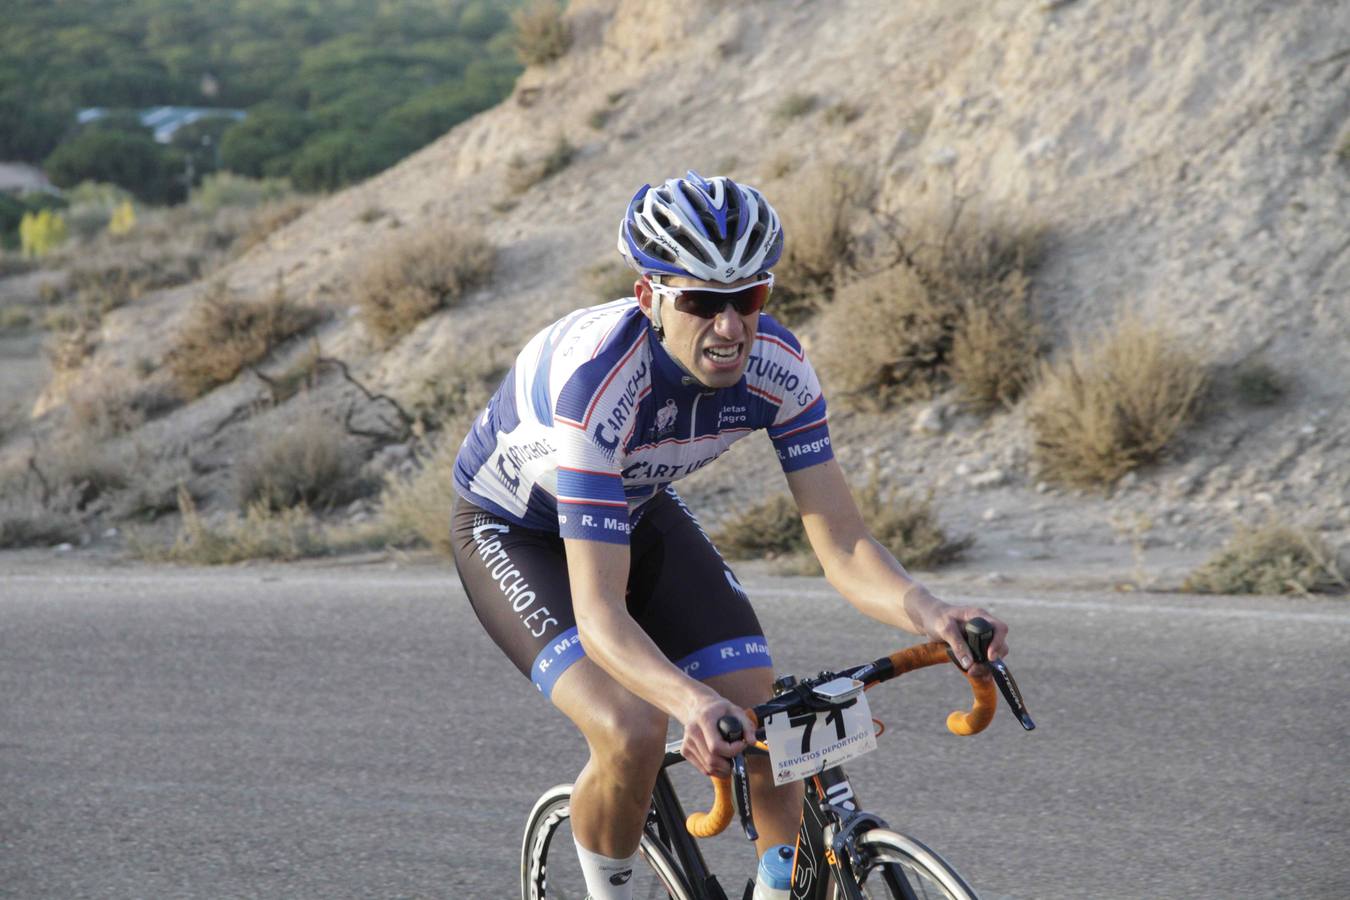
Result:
x=595 y=419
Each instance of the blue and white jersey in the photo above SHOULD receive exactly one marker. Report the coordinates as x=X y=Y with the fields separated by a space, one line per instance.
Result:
x=595 y=418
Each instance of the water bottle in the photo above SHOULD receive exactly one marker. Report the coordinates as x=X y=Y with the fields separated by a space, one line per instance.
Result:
x=775 y=874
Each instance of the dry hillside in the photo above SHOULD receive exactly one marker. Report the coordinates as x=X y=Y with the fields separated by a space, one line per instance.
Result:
x=1188 y=161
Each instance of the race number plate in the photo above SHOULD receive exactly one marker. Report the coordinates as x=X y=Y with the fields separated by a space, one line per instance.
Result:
x=803 y=744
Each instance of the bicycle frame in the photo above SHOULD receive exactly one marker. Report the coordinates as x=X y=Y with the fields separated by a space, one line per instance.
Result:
x=830 y=819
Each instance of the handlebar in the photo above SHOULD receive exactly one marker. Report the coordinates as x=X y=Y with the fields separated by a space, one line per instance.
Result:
x=976 y=719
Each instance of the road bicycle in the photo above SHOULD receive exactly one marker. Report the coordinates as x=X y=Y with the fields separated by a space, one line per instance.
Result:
x=842 y=852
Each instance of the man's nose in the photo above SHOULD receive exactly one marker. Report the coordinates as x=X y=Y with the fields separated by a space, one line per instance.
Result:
x=728 y=323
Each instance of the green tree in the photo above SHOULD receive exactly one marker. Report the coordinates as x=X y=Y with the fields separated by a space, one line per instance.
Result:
x=265 y=143
x=134 y=161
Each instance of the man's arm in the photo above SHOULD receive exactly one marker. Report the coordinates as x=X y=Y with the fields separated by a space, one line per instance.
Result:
x=867 y=574
x=598 y=575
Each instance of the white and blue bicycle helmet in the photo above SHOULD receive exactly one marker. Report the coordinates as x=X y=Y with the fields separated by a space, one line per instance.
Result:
x=710 y=229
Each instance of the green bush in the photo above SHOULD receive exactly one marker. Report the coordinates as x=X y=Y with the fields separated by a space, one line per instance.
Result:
x=130 y=160
x=225 y=189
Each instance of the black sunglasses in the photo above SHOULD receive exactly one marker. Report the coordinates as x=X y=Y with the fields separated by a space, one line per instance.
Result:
x=708 y=303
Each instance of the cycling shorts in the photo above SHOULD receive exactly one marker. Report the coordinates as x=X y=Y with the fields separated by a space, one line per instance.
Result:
x=680 y=591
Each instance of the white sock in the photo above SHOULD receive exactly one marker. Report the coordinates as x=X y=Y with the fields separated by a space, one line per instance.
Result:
x=606 y=879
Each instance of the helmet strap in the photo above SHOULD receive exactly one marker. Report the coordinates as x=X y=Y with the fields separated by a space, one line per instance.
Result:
x=656 y=317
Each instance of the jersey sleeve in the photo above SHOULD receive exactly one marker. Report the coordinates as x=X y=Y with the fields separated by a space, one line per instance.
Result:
x=800 y=429
x=594 y=409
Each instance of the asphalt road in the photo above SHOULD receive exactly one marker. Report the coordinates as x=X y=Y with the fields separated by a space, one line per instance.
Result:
x=348 y=732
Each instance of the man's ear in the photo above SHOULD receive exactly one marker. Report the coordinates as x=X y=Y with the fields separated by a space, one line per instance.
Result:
x=643 y=291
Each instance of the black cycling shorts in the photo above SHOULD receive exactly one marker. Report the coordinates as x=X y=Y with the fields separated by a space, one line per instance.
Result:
x=680 y=591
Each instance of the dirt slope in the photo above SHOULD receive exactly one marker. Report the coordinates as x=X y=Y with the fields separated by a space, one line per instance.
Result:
x=1181 y=157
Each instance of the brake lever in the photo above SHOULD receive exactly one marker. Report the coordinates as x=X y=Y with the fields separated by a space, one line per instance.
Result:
x=740 y=785
x=1008 y=685
x=979 y=634
x=731 y=730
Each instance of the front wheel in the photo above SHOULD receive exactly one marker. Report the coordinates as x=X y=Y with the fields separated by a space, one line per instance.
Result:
x=549 y=869
x=896 y=865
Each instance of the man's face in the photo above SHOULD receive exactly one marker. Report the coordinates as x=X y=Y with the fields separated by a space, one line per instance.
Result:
x=714 y=350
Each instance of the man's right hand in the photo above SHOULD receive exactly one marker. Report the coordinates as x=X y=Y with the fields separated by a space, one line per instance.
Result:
x=703 y=744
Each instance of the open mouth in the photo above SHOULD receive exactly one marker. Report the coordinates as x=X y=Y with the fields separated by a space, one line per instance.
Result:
x=724 y=355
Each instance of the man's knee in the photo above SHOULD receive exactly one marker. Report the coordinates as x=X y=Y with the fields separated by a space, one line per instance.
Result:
x=628 y=737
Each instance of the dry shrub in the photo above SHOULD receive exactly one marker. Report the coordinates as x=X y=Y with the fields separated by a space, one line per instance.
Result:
x=523 y=174
x=996 y=346
x=259 y=534
x=30 y=516
x=907 y=526
x=610 y=281
x=769 y=529
x=70 y=345
x=115 y=403
x=262 y=222
x=953 y=306
x=15 y=318
x=903 y=524
x=310 y=462
x=413 y=275
x=885 y=338
x=418 y=508
x=817 y=216
x=1114 y=403
x=1270 y=559
x=224 y=334
x=46 y=499
x=541 y=33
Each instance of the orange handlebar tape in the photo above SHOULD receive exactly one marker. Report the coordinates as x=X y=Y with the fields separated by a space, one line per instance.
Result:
x=986 y=701
x=715 y=820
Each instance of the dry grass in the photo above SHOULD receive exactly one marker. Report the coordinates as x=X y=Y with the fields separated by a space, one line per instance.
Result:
x=766 y=530
x=48 y=498
x=885 y=339
x=818 y=218
x=1113 y=403
x=30 y=516
x=259 y=534
x=311 y=462
x=996 y=345
x=415 y=274
x=953 y=306
x=115 y=403
x=523 y=174
x=418 y=508
x=1270 y=559
x=542 y=35
x=224 y=334
x=905 y=525
x=610 y=281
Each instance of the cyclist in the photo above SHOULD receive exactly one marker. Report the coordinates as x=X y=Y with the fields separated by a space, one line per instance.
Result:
x=585 y=566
